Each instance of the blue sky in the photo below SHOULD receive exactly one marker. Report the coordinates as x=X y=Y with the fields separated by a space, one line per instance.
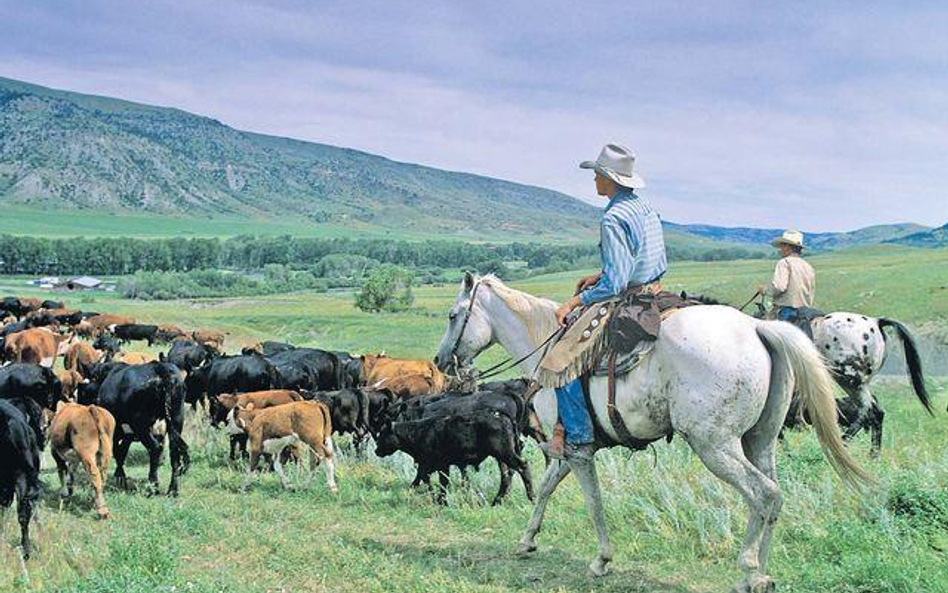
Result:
x=822 y=116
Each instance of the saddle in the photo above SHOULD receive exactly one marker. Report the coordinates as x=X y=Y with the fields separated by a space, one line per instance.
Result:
x=801 y=317
x=631 y=331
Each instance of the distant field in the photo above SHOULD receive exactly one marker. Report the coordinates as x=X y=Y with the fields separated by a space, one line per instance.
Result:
x=674 y=527
x=19 y=220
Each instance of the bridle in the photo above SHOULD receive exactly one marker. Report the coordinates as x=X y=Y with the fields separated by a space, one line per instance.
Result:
x=508 y=363
x=467 y=317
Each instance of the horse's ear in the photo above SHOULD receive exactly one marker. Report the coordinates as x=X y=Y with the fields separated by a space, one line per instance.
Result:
x=468 y=281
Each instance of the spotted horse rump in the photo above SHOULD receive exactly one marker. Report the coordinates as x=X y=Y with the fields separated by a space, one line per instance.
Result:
x=855 y=347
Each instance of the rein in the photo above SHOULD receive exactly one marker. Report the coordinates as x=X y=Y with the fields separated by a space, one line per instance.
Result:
x=752 y=299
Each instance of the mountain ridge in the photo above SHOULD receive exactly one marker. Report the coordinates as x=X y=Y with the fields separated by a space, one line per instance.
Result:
x=67 y=151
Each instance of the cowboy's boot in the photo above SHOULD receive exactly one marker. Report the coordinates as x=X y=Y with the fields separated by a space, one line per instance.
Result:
x=556 y=444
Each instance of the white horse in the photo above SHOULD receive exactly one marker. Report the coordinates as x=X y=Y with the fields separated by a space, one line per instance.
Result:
x=718 y=378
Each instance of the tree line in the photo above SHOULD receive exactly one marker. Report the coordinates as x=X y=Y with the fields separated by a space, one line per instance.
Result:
x=321 y=257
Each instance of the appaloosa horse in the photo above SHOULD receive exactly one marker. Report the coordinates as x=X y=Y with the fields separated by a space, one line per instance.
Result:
x=854 y=347
x=718 y=378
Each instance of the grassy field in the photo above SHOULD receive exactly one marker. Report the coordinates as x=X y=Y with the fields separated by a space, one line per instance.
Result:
x=675 y=528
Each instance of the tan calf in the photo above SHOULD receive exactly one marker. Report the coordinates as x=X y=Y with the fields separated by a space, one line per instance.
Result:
x=71 y=380
x=84 y=329
x=38 y=345
x=83 y=434
x=210 y=338
x=80 y=355
x=404 y=378
x=299 y=423
x=135 y=357
x=259 y=399
x=103 y=322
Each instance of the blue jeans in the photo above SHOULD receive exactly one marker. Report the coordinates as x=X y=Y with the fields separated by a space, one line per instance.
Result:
x=573 y=413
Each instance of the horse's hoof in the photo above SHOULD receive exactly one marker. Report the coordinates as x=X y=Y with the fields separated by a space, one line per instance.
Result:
x=525 y=550
x=599 y=567
x=756 y=584
x=762 y=584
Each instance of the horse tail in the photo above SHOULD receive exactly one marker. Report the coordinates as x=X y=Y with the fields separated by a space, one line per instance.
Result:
x=791 y=351
x=912 y=360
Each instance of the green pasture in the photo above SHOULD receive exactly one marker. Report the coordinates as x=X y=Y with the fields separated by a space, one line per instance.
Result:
x=675 y=528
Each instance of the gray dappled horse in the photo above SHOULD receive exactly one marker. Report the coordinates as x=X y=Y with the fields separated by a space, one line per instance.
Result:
x=720 y=379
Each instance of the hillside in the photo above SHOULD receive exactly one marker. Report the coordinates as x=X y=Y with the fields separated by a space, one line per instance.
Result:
x=870 y=235
x=117 y=167
x=930 y=238
x=67 y=151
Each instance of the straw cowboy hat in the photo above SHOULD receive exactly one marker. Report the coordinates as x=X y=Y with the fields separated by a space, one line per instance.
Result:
x=794 y=238
x=615 y=162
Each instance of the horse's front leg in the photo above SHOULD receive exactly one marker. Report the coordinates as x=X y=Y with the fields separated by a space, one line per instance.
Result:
x=555 y=472
x=585 y=470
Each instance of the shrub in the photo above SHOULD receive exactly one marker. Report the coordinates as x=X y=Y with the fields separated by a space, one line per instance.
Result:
x=386 y=288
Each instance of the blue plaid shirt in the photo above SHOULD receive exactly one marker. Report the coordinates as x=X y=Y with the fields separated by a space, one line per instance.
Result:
x=632 y=246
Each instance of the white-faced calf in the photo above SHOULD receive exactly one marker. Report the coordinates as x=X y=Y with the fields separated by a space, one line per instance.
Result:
x=306 y=423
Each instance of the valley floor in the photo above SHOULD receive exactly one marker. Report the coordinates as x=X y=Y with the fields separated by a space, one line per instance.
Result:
x=674 y=527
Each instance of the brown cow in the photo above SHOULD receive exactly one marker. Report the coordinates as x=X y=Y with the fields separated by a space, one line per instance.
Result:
x=259 y=400
x=299 y=423
x=83 y=434
x=71 y=380
x=80 y=356
x=135 y=357
x=209 y=338
x=30 y=303
x=404 y=378
x=84 y=329
x=169 y=333
x=101 y=323
x=38 y=345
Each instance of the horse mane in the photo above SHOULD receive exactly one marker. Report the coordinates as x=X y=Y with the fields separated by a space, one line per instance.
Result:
x=535 y=312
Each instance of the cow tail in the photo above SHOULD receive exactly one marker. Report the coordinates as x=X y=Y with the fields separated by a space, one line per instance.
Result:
x=327 y=420
x=912 y=360
x=104 y=454
x=363 y=409
x=167 y=386
x=276 y=380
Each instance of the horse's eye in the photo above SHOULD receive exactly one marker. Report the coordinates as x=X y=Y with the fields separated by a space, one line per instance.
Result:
x=452 y=315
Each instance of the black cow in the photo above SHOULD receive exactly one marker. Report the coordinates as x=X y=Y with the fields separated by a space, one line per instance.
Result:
x=69 y=318
x=19 y=472
x=95 y=375
x=13 y=306
x=307 y=369
x=231 y=374
x=50 y=304
x=33 y=381
x=268 y=348
x=350 y=410
x=108 y=344
x=187 y=355
x=142 y=397
x=130 y=332
x=43 y=319
x=350 y=369
x=461 y=430
x=88 y=314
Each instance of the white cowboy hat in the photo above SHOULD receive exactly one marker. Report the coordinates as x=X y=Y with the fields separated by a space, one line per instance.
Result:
x=615 y=162
x=794 y=238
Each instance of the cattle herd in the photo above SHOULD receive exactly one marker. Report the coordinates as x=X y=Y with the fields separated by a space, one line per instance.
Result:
x=276 y=401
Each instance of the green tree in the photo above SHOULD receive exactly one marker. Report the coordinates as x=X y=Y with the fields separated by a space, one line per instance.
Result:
x=386 y=288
